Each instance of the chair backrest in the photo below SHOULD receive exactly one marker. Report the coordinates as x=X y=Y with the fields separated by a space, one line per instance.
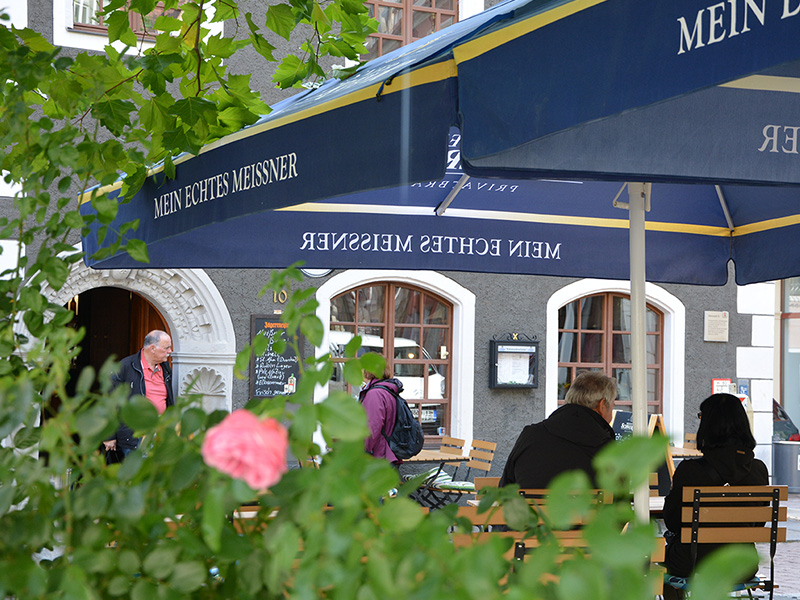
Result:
x=690 y=440
x=486 y=482
x=733 y=514
x=481 y=455
x=454 y=446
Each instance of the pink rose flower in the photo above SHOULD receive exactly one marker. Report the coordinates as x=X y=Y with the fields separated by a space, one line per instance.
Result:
x=247 y=448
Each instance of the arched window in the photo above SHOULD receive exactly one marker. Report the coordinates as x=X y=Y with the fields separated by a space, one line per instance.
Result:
x=594 y=335
x=413 y=329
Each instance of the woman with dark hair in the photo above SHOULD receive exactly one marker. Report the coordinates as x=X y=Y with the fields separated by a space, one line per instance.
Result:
x=727 y=444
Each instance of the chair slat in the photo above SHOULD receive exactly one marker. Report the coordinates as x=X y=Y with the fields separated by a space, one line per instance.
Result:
x=732 y=535
x=486 y=482
x=763 y=490
x=733 y=514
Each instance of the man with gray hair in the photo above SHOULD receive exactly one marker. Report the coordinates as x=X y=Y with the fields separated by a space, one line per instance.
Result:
x=148 y=374
x=569 y=438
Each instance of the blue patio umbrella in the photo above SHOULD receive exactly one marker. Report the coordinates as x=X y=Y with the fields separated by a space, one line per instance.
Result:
x=614 y=90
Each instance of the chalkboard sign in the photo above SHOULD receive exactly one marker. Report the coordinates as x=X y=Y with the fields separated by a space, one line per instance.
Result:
x=272 y=374
x=622 y=423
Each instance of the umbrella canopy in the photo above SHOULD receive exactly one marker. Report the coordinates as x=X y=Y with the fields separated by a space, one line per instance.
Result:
x=536 y=227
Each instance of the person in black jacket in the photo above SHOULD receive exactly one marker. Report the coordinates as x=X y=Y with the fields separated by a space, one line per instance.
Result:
x=727 y=444
x=569 y=438
x=149 y=374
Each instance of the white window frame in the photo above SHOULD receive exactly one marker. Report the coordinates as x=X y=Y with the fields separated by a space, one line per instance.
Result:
x=463 y=327
x=674 y=339
x=65 y=35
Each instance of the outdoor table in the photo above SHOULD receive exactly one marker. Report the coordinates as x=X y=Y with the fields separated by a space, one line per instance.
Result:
x=684 y=452
x=432 y=456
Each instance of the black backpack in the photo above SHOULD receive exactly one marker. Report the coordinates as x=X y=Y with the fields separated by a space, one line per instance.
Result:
x=407 y=437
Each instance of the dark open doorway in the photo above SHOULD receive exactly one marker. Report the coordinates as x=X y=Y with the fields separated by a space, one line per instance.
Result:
x=116 y=321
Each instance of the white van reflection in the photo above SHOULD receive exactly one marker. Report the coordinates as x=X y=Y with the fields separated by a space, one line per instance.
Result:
x=413 y=387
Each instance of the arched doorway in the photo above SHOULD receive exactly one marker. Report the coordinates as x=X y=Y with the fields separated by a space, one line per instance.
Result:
x=195 y=315
x=116 y=321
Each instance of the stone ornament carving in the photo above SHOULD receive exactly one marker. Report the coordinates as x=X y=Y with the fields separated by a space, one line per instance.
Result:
x=207 y=383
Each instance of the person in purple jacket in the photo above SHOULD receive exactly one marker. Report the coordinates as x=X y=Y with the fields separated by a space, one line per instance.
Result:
x=381 y=408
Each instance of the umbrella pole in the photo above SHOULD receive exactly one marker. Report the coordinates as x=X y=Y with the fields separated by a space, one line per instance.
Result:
x=638 y=195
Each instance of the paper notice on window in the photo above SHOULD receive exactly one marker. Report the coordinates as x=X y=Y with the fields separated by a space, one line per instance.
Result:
x=513 y=368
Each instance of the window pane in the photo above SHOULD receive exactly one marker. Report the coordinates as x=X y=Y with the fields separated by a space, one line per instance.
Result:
x=435 y=312
x=406 y=305
x=567 y=349
x=652 y=387
x=591 y=348
x=372 y=340
x=84 y=11
x=623 y=377
x=567 y=315
x=791 y=295
x=412 y=375
x=652 y=320
x=651 y=348
x=592 y=312
x=445 y=5
x=372 y=46
x=434 y=344
x=437 y=381
x=370 y=304
x=343 y=308
x=445 y=21
x=149 y=21
x=426 y=3
x=406 y=343
x=424 y=24
x=432 y=418
x=564 y=379
x=338 y=337
x=390 y=20
x=390 y=45
x=621 y=348
x=622 y=314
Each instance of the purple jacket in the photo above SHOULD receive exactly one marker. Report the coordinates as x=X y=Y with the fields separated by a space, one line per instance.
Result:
x=381 y=409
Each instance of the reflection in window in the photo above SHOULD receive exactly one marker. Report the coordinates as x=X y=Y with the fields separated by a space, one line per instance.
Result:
x=412 y=329
x=86 y=16
x=594 y=335
x=403 y=21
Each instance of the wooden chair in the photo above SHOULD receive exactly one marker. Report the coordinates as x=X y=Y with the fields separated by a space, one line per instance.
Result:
x=539 y=498
x=445 y=488
x=729 y=515
x=690 y=441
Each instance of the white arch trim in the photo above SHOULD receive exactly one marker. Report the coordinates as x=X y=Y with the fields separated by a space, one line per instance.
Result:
x=203 y=337
x=463 y=301
x=674 y=337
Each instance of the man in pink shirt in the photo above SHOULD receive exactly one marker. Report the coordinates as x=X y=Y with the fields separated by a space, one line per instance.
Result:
x=149 y=374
